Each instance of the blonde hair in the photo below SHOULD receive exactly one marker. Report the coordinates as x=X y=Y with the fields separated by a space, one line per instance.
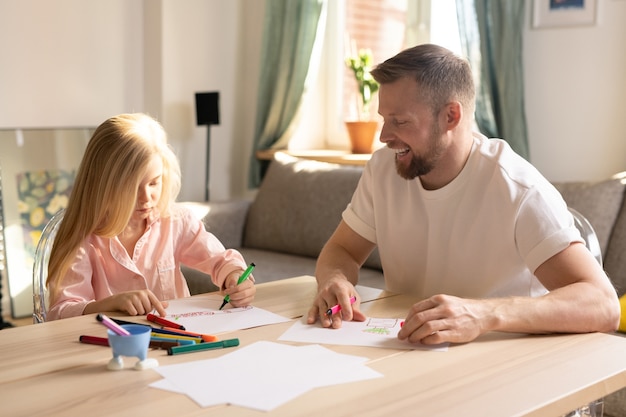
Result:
x=105 y=190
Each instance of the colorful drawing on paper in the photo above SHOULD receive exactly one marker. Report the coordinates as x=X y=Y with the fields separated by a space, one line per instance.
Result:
x=373 y=332
x=201 y=315
x=204 y=313
x=380 y=326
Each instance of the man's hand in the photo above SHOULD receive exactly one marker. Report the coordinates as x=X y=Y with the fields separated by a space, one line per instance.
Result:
x=444 y=318
x=332 y=292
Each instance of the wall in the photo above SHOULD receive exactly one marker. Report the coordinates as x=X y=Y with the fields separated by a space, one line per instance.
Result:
x=575 y=87
x=75 y=63
x=163 y=51
x=61 y=65
x=211 y=46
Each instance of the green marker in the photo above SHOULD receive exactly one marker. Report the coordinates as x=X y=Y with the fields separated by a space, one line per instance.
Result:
x=176 y=350
x=242 y=278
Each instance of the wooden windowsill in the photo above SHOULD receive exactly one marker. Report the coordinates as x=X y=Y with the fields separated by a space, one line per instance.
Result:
x=323 y=155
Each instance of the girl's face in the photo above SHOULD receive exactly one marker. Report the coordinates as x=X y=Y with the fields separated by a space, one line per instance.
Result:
x=149 y=192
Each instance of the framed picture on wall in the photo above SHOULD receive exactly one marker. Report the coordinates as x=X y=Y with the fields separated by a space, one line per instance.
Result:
x=560 y=13
x=37 y=168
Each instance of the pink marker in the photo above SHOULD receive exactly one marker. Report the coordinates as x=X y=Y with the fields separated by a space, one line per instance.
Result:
x=111 y=325
x=336 y=308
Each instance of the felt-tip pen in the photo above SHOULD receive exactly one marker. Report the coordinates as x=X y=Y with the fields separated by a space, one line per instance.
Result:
x=103 y=341
x=174 y=332
x=120 y=322
x=176 y=337
x=203 y=346
x=205 y=337
x=337 y=308
x=111 y=325
x=163 y=322
x=178 y=342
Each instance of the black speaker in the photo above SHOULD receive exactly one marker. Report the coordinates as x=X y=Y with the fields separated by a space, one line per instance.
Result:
x=207 y=108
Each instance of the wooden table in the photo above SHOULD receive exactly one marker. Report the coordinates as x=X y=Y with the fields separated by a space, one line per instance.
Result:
x=44 y=370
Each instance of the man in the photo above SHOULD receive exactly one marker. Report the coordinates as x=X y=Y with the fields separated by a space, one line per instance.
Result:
x=472 y=229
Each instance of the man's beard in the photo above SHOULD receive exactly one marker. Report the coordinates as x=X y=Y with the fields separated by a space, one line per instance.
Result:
x=423 y=164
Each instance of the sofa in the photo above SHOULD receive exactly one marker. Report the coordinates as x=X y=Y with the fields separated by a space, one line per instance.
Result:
x=283 y=229
x=299 y=204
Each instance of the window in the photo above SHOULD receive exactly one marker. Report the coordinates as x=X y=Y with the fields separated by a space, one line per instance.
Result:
x=385 y=27
x=365 y=29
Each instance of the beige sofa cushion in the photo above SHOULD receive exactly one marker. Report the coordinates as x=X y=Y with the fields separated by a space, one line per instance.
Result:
x=299 y=205
x=599 y=202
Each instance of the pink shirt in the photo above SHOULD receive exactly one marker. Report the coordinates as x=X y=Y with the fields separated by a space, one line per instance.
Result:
x=103 y=267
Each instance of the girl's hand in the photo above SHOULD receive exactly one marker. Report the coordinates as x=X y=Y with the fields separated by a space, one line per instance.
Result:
x=134 y=303
x=240 y=295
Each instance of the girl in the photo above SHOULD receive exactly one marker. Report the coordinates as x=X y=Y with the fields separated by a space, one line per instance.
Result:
x=123 y=238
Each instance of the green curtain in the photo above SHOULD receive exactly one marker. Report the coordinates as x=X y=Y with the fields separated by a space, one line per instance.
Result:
x=289 y=34
x=491 y=38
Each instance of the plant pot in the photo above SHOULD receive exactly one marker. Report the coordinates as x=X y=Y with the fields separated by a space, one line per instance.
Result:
x=362 y=134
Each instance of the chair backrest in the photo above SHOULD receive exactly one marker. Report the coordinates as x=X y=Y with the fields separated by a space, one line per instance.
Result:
x=588 y=234
x=40 y=267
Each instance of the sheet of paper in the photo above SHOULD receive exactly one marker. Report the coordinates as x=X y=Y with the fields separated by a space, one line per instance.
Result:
x=261 y=375
x=374 y=332
x=202 y=315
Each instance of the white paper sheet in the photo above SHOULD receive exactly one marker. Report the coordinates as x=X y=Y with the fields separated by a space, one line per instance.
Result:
x=262 y=375
x=202 y=315
x=374 y=332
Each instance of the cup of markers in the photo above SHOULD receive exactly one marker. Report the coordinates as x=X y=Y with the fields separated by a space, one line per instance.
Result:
x=131 y=340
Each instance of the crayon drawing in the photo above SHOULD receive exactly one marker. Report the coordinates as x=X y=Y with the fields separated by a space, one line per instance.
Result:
x=201 y=315
x=373 y=332
x=380 y=326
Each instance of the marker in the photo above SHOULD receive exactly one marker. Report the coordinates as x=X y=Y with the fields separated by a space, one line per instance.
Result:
x=183 y=333
x=163 y=344
x=176 y=350
x=111 y=325
x=118 y=321
x=94 y=340
x=205 y=337
x=103 y=341
x=241 y=279
x=160 y=320
x=336 y=308
x=167 y=331
x=179 y=342
x=176 y=337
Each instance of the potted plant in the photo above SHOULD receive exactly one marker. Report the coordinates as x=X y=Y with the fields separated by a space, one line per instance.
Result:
x=363 y=130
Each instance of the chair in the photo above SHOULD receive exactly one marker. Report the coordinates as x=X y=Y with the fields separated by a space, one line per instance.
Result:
x=588 y=234
x=40 y=267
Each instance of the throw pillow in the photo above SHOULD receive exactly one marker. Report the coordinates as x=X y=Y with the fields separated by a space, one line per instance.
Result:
x=299 y=205
x=599 y=202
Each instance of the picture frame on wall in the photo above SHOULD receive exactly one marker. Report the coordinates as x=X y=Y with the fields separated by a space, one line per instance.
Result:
x=563 y=13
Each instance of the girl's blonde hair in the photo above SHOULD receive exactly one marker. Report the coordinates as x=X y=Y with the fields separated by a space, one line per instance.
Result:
x=105 y=190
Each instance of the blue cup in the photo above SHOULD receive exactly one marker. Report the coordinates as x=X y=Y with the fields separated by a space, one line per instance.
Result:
x=134 y=345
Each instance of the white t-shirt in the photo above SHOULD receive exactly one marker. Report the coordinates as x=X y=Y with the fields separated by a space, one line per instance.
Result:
x=482 y=235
